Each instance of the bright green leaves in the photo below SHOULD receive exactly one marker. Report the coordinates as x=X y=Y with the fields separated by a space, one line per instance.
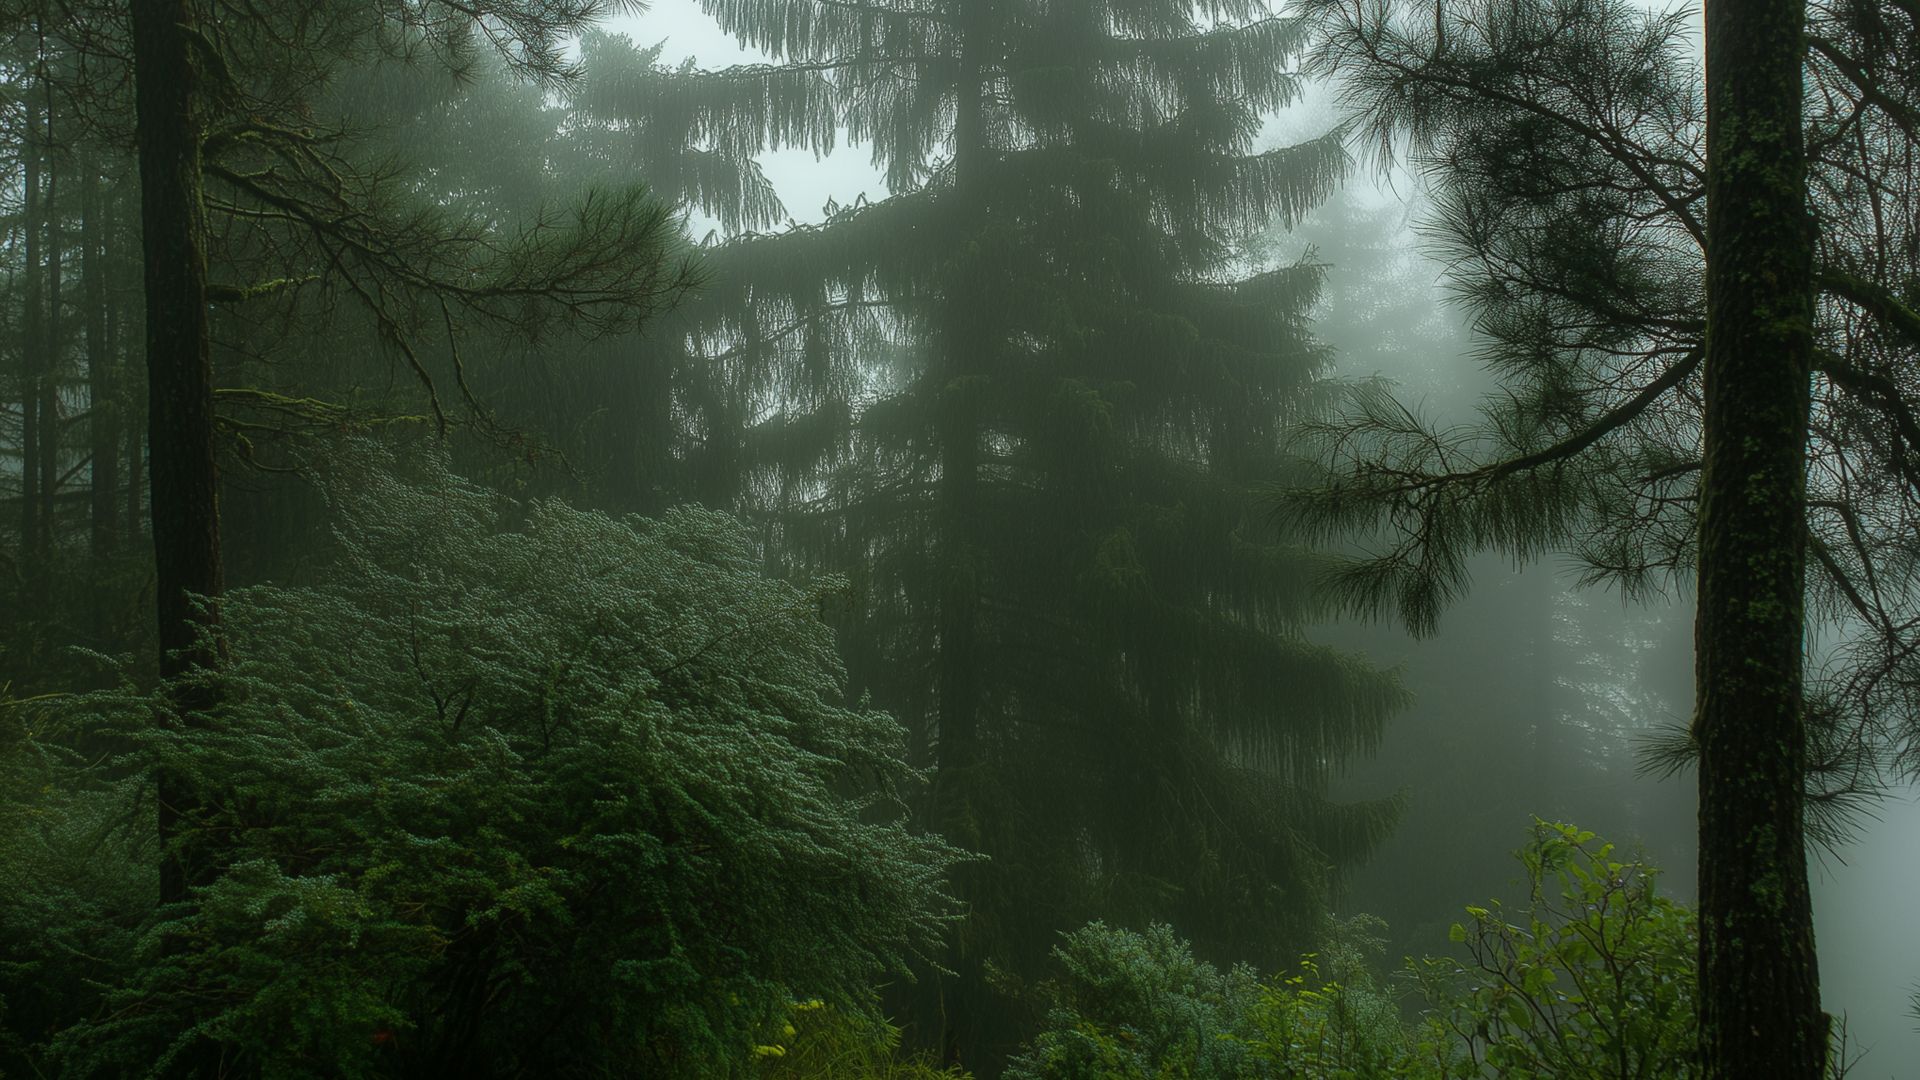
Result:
x=1592 y=979
x=817 y=1041
x=1596 y=972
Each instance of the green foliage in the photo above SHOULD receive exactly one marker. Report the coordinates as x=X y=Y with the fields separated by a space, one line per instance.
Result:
x=1334 y=1017
x=1031 y=437
x=517 y=789
x=1564 y=142
x=821 y=1042
x=73 y=882
x=1140 y=1006
x=1593 y=978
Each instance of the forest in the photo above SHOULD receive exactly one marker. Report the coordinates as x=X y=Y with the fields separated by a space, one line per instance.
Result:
x=946 y=539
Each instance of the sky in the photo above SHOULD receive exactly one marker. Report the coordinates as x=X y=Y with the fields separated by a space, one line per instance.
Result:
x=1869 y=950
x=805 y=182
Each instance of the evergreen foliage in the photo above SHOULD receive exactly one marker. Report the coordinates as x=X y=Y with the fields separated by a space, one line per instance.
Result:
x=1564 y=141
x=496 y=786
x=515 y=789
x=1138 y=1005
x=1024 y=402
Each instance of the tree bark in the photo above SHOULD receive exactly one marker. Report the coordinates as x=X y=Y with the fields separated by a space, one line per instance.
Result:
x=51 y=352
x=33 y=348
x=134 y=446
x=1759 y=985
x=103 y=404
x=963 y=345
x=180 y=426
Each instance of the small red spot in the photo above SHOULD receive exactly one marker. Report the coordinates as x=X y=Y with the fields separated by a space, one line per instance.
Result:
x=382 y=1037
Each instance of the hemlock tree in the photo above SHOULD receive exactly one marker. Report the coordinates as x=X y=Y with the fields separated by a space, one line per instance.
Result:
x=1569 y=147
x=1025 y=401
x=692 y=136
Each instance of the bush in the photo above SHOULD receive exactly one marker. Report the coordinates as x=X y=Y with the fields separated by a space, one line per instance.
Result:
x=574 y=797
x=1334 y=1018
x=1139 y=1006
x=1592 y=978
x=821 y=1042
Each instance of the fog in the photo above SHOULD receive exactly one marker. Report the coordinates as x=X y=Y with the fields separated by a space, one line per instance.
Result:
x=1861 y=887
x=550 y=558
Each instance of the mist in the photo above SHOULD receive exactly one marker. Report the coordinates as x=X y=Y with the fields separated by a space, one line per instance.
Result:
x=920 y=539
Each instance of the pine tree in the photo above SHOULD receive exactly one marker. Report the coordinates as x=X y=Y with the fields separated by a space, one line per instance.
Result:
x=1571 y=219
x=1024 y=401
x=1759 y=981
x=1697 y=289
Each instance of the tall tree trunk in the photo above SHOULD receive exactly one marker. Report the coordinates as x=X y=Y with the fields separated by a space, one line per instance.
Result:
x=103 y=404
x=33 y=350
x=185 y=508
x=52 y=349
x=963 y=343
x=962 y=346
x=134 y=443
x=1759 y=984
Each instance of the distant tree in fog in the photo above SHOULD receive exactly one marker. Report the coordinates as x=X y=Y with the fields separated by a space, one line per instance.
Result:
x=1025 y=400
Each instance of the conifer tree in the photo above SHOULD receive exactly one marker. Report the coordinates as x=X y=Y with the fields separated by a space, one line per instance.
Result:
x=1759 y=981
x=1572 y=221
x=1698 y=290
x=1024 y=400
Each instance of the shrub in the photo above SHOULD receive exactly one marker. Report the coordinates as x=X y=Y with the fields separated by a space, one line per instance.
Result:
x=578 y=796
x=1593 y=978
x=1333 y=1018
x=822 y=1042
x=1139 y=1006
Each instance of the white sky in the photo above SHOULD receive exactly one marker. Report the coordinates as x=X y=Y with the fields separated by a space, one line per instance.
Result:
x=804 y=182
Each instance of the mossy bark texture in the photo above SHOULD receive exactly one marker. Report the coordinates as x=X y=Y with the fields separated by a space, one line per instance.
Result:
x=1759 y=987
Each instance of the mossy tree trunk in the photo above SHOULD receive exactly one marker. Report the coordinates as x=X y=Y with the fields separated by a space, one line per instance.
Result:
x=1759 y=986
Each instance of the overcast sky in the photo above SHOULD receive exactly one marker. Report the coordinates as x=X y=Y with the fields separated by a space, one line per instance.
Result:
x=806 y=183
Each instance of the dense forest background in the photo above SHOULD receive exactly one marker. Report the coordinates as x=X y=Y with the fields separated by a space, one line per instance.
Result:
x=746 y=518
